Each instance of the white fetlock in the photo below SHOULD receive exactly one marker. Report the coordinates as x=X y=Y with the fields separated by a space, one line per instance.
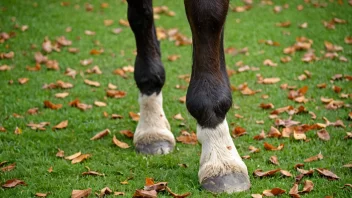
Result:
x=153 y=126
x=219 y=155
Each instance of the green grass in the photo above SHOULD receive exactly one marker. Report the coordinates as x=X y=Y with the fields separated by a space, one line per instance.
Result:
x=34 y=151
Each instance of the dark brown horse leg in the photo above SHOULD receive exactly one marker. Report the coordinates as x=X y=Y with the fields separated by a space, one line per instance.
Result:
x=153 y=135
x=209 y=99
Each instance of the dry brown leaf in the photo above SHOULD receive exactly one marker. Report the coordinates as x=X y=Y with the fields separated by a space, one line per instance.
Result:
x=145 y=194
x=99 y=104
x=286 y=173
x=187 y=138
x=73 y=156
x=5 y=68
x=274 y=160
x=93 y=173
x=62 y=95
x=173 y=57
x=86 y=62
x=120 y=144
x=92 y=83
x=52 y=65
x=273 y=192
x=127 y=133
x=37 y=67
x=112 y=86
x=174 y=195
x=60 y=153
x=274 y=132
x=182 y=99
x=299 y=135
x=23 y=80
x=270 y=147
x=238 y=131
x=253 y=149
x=260 y=173
x=18 y=131
x=8 y=168
x=100 y=134
x=314 y=158
x=13 y=183
x=323 y=135
x=50 y=105
x=269 y=62
x=178 y=117
x=80 y=158
x=40 y=126
x=294 y=191
x=115 y=93
x=134 y=116
x=260 y=136
x=124 y=22
x=119 y=193
x=308 y=186
x=61 y=125
x=33 y=111
x=41 y=194
x=81 y=193
x=327 y=173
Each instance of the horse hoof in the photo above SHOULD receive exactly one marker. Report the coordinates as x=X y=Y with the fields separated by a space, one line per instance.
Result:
x=230 y=183
x=155 y=148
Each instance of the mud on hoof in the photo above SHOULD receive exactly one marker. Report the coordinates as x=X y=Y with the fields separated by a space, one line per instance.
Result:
x=230 y=183
x=155 y=148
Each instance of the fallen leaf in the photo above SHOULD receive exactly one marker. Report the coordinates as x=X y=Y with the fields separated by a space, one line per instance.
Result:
x=18 y=131
x=323 y=135
x=173 y=57
x=51 y=105
x=174 y=195
x=260 y=136
x=60 y=153
x=61 y=125
x=178 y=117
x=253 y=149
x=266 y=106
x=274 y=160
x=314 y=158
x=127 y=133
x=73 y=156
x=145 y=194
x=92 y=83
x=62 y=95
x=99 y=104
x=274 y=132
x=115 y=93
x=41 y=194
x=81 y=193
x=182 y=99
x=23 y=80
x=286 y=173
x=134 y=116
x=86 y=62
x=120 y=144
x=308 y=186
x=238 y=131
x=260 y=173
x=187 y=138
x=299 y=135
x=274 y=192
x=13 y=183
x=270 y=147
x=50 y=169
x=80 y=158
x=100 y=134
x=294 y=191
x=8 y=168
x=327 y=173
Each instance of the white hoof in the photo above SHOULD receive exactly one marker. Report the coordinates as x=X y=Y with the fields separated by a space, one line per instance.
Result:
x=221 y=167
x=153 y=135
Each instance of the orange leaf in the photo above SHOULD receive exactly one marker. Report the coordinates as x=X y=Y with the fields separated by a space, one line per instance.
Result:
x=134 y=116
x=80 y=158
x=81 y=193
x=100 y=134
x=73 y=156
x=260 y=173
x=13 y=183
x=127 y=133
x=174 y=195
x=61 y=125
x=314 y=158
x=270 y=147
x=286 y=173
x=51 y=105
x=120 y=144
x=115 y=93
x=60 y=153
x=327 y=173
x=187 y=138
x=145 y=194
x=8 y=168
x=273 y=192
x=41 y=194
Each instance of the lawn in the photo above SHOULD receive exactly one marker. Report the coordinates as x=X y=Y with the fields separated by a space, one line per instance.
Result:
x=251 y=36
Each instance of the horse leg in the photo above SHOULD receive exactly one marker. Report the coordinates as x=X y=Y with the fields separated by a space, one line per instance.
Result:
x=153 y=135
x=209 y=99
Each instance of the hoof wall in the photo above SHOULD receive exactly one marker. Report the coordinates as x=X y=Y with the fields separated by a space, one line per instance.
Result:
x=155 y=148
x=230 y=183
